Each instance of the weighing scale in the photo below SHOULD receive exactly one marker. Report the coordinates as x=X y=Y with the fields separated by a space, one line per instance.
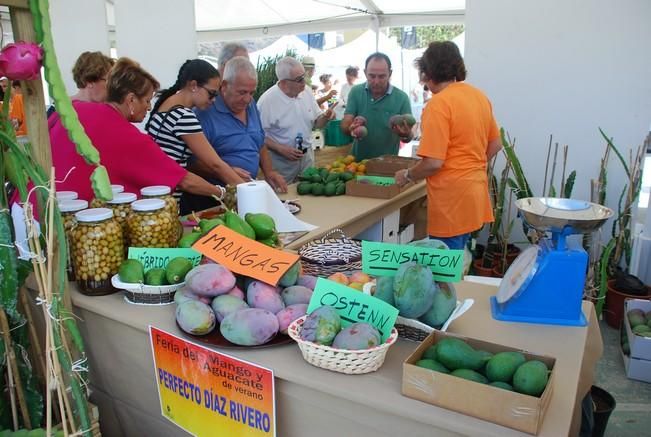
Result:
x=545 y=282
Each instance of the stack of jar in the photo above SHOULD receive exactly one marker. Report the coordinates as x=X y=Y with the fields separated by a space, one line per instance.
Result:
x=150 y=224
x=121 y=207
x=68 y=210
x=116 y=189
x=97 y=250
x=165 y=193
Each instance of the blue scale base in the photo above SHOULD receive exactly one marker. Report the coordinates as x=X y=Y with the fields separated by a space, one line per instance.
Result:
x=555 y=294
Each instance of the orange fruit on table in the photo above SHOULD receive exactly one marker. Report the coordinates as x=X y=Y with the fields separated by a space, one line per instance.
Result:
x=352 y=167
x=349 y=159
x=361 y=168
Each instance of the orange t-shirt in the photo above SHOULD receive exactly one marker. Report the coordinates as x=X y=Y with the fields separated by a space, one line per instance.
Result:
x=457 y=125
x=17 y=111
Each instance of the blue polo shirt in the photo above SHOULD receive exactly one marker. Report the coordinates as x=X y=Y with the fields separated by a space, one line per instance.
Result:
x=236 y=143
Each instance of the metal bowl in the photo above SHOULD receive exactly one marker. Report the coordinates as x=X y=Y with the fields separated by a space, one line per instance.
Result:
x=557 y=214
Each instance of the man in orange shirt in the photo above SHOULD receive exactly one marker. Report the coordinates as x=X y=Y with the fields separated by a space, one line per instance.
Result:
x=459 y=137
x=17 y=110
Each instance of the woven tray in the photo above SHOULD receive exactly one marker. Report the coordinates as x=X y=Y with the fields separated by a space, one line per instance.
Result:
x=142 y=294
x=329 y=255
x=341 y=360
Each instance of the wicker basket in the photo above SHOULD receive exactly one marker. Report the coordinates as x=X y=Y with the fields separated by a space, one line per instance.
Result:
x=142 y=294
x=352 y=362
x=412 y=329
x=329 y=255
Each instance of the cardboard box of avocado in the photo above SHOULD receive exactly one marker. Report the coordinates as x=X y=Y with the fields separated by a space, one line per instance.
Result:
x=493 y=382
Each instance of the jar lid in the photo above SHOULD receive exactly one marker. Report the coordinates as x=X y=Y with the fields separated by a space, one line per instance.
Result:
x=94 y=214
x=148 y=204
x=117 y=189
x=123 y=198
x=156 y=190
x=72 y=205
x=66 y=195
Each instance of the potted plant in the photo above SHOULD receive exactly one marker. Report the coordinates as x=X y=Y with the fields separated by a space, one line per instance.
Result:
x=615 y=282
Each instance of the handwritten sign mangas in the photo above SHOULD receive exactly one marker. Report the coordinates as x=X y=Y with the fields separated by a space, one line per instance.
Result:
x=158 y=258
x=354 y=306
x=202 y=390
x=245 y=256
x=384 y=259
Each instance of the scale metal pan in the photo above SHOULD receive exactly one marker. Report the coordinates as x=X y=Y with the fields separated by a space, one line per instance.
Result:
x=556 y=214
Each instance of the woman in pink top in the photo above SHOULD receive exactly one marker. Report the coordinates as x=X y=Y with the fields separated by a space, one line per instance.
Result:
x=131 y=157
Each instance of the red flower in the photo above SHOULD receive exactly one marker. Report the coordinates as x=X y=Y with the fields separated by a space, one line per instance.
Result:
x=21 y=61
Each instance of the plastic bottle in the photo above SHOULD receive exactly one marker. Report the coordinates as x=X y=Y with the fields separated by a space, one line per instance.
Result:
x=298 y=142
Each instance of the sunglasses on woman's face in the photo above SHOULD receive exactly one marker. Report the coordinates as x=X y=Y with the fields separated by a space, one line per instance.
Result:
x=211 y=93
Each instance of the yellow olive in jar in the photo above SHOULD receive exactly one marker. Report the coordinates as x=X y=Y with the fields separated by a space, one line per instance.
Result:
x=149 y=224
x=97 y=250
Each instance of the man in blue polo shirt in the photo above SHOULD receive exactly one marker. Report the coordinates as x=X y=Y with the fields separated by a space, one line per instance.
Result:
x=233 y=128
x=377 y=100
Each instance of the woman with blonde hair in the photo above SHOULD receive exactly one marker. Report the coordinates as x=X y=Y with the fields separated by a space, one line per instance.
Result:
x=131 y=158
x=90 y=74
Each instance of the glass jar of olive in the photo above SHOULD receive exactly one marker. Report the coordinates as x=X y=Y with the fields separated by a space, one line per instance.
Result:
x=68 y=210
x=171 y=205
x=121 y=207
x=97 y=250
x=149 y=224
x=116 y=189
x=66 y=195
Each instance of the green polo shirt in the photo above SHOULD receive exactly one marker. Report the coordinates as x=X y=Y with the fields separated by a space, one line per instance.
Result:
x=381 y=140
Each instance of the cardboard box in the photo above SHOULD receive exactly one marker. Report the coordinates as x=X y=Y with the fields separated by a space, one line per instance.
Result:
x=388 y=165
x=355 y=188
x=406 y=234
x=510 y=409
x=385 y=230
x=636 y=368
x=640 y=346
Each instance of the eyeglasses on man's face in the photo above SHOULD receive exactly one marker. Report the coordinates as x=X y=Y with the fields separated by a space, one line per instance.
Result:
x=211 y=93
x=299 y=79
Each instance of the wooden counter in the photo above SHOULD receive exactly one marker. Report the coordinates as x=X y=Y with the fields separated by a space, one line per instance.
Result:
x=351 y=214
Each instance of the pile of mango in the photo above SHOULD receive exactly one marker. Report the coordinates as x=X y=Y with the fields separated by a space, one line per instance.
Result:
x=256 y=226
x=416 y=295
x=132 y=271
x=506 y=370
x=640 y=325
x=249 y=312
x=323 y=326
x=321 y=182
x=348 y=164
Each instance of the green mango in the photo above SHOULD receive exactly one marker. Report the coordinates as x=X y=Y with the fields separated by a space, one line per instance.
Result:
x=454 y=354
x=131 y=271
x=431 y=364
x=531 y=378
x=470 y=375
x=304 y=188
x=503 y=365
x=208 y=224
x=155 y=277
x=263 y=224
x=189 y=239
x=237 y=224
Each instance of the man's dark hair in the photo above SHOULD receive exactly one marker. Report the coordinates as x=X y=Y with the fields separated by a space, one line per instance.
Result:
x=378 y=55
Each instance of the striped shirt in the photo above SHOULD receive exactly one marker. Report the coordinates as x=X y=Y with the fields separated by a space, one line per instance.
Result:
x=176 y=123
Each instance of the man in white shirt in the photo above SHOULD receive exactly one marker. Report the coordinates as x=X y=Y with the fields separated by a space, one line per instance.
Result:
x=351 y=76
x=288 y=114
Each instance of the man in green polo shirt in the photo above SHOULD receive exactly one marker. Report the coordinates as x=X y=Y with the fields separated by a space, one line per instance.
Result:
x=377 y=100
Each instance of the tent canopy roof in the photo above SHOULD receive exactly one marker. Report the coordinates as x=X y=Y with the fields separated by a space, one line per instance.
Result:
x=258 y=18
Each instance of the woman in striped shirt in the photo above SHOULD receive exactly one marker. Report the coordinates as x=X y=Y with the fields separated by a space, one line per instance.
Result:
x=174 y=126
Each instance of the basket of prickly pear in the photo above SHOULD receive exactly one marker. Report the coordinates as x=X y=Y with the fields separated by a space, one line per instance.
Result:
x=331 y=254
x=355 y=349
